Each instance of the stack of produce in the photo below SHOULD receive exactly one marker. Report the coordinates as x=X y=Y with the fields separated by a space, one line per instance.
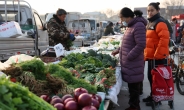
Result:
x=71 y=81
x=108 y=44
x=96 y=68
x=32 y=75
x=16 y=97
x=46 y=79
x=81 y=100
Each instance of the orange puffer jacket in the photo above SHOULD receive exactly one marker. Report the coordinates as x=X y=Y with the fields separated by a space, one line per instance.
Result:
x=157 y=42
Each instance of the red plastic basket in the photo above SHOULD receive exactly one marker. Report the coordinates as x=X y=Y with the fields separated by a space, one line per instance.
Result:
x=50 y=59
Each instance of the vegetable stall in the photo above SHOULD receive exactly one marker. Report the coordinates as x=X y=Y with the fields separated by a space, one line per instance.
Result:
x=82 y=80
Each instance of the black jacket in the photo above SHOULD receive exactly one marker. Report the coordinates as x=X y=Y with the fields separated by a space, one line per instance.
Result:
x=109 y=30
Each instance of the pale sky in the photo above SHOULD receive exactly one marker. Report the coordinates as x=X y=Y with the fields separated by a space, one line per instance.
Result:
x=46 y=6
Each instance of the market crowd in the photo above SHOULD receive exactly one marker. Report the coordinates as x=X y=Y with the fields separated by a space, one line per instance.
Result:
x=144 y=40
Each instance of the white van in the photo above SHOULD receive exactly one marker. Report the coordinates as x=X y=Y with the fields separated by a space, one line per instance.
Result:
x=69 y=17
x=34 y=42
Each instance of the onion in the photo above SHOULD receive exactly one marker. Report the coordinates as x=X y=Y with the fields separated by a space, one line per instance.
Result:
x=65 y=97
x=55 y=96
x=78 y=92
x=71 y=105
x=59 y=106
x=95 y=103
x=89 y=108
x=97 y=97
x=45 y=97
x=55 y=100
x=68 y=99
x=84 y=100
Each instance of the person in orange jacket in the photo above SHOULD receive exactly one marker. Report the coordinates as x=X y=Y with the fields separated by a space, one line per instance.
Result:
x=157 y=43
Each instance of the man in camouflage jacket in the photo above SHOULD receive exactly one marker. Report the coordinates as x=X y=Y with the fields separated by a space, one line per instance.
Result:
x=57 y=30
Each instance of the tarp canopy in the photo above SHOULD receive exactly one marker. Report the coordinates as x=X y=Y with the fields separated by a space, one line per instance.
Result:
x=180 y=16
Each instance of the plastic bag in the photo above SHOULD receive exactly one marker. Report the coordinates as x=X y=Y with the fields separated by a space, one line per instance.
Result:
x=114 y=91
x=10 y=29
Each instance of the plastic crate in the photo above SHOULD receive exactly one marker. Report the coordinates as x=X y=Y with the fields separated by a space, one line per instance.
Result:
x=50 y=59
x=101 y=106
x=27 y=27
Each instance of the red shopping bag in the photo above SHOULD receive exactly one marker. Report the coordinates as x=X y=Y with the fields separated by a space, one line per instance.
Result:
x=162 y=85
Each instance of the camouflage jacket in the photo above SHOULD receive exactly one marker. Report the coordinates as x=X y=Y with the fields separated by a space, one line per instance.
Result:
x=58 y=33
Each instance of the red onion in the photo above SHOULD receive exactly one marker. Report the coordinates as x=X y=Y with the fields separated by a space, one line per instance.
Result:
x=55 y=100
x=84 y=100
x=78 y=92
x=95 y=103
x=68 y=99
x=65 y=97
x=59 y=106
x=71 y=105
x=97 y=97
x=46 y=98
x=89 y=108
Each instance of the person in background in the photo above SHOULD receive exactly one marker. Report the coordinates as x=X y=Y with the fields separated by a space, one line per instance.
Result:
x=157 y=43
x=76 y=32
x=98 y=32
x=180 y=30
x=101 y=30
x=109 y=30
x=131 y=53
x=1 y=19
x=175 y=28
x=58 y=32
x=117 y=27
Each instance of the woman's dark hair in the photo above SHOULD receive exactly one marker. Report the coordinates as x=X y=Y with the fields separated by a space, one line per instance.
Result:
x=138 y=13
x=174 y=19
x=97 y=25
x=110 y=24
x=127 y=12
x=155 y=5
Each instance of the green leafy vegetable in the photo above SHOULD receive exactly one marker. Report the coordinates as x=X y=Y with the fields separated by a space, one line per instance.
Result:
x=61 y=72
x=16 y=97
x=36 y=67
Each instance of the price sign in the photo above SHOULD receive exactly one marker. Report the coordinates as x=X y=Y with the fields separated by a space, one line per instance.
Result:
x=59 y=50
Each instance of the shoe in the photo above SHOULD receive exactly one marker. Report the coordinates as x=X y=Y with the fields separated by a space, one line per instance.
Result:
x=151 y=103
x=160 y=103
x=141 y=93
x=170 y=103
x=147 y=99
x=132 y=108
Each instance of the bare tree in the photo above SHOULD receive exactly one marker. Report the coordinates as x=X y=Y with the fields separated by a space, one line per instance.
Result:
x=115 y=17
x=110 y=12
x=117 y=12
x=105 y=15
x=173 y=7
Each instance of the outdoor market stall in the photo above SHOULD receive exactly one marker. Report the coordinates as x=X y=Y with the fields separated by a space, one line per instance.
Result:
x=91 y=68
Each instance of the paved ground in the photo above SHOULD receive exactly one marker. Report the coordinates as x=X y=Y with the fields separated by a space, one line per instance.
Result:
x=123 y=98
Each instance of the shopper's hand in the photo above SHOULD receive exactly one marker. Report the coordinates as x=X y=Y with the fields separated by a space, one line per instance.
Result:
x=115 y=52
x=72 y=37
